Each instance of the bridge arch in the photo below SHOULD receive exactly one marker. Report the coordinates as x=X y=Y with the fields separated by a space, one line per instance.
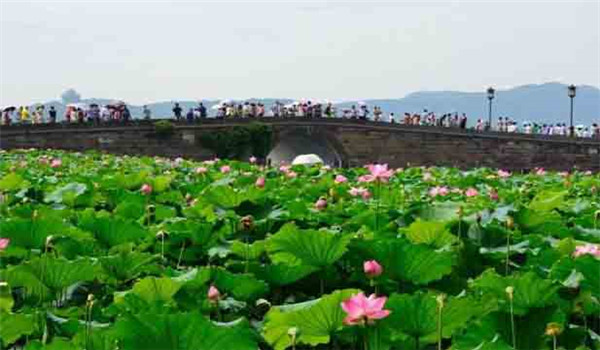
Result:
x=291 y=142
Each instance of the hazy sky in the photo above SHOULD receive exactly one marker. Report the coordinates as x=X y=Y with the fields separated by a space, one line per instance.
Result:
x=143 y=51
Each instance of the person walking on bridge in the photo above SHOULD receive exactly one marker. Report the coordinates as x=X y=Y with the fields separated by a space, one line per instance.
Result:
x=177 y=111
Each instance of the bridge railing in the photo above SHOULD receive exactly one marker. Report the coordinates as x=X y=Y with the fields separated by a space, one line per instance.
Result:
x=220 y=122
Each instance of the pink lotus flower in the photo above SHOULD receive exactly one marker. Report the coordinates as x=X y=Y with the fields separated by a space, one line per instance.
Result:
x=357 y=191
x=591 y=249
x=540 y=171
x=503 y=174
x=284 y=168
x=252 y=160
x=260 y=182
x=588 y=173
x=200 y=170
x=4 y=242
x=146 y=189
x=213 y=294
x=438 y=191
x=55 y=163
x=340 y=179
x=43 y=160
x=178 y=161
x=372 y=268
x=326 y=167
x=366 y=195
x=321 y=204
x=563 y=174
x=225 y=169
x=427 y=176
x=291 y=174
x=493 y=195
x=379 y=172
x=209 y=162
x=361 y=309
x=471 y=192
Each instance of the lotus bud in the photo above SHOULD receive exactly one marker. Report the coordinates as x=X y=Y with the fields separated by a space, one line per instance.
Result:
x=553 y=329
x=90 y=298
x=321 y=203
x=372 y=269
x=260 y=182
x=510 y=290
x=594 y=189
x=213 y=294
x=460 y=211
x=35 y=213
x=146 y=189
x=162 y=234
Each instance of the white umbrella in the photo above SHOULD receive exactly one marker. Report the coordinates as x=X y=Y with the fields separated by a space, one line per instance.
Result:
x=307 y=159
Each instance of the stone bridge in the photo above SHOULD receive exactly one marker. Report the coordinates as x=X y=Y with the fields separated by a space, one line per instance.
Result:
x=340 y=142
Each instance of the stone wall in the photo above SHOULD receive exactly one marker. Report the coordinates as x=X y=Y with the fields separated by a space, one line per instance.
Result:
x=355 y=142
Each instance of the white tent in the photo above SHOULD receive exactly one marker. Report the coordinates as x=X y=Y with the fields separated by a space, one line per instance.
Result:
x=307 y=159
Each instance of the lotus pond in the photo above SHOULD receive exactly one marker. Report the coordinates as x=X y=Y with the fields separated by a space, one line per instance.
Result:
x=114 y=252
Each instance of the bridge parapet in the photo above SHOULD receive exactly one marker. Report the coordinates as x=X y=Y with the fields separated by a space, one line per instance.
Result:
x=354 y=142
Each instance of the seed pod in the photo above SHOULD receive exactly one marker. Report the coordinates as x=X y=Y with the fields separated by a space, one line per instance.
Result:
x=510 y=222
x=247 y=222
x=553 y=329
x=510 y=290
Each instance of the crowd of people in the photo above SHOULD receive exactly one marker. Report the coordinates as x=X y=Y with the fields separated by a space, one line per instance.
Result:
x=118 y=112
x=74 y=113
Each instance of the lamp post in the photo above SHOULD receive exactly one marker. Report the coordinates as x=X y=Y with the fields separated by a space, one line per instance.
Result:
x=572 y=89
x=490 y=96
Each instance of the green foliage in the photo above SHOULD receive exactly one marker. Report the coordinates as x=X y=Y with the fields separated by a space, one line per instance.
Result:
x=254 y=138
x=314 y=320
x=93 y=263
x=164 y=128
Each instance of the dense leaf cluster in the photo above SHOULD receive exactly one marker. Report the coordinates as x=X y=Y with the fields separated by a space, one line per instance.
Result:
x=95 y=263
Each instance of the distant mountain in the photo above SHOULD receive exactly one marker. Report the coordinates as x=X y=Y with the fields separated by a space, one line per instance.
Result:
x=547 y=103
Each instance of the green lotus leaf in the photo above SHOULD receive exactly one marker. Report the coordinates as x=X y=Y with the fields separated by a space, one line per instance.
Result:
x=418 y=264
x=127 y=266
x=547 y=200
x=530 y=290
x=431 y=233
x=66 y=194
x=12 y=182
x=585 y=269
x=31 y=233
x=315 y=320
x=112 y=231
x=313 y=248
x=182 y=331
x=47 y=277
x=416 y=316
x=14 y=326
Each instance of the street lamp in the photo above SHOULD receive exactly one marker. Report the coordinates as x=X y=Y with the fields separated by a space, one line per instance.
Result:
x=572 y=89
x=490 y=96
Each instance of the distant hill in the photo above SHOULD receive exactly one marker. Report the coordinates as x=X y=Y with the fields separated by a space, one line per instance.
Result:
x=545 y=103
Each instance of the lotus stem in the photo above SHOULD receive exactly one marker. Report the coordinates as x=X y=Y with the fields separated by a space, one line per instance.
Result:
x=507 y=266
x=510 y=295
x=180 y=254
x=440 y=301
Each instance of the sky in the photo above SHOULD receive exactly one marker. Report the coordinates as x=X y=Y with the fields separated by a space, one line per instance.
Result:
x=147 y=51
